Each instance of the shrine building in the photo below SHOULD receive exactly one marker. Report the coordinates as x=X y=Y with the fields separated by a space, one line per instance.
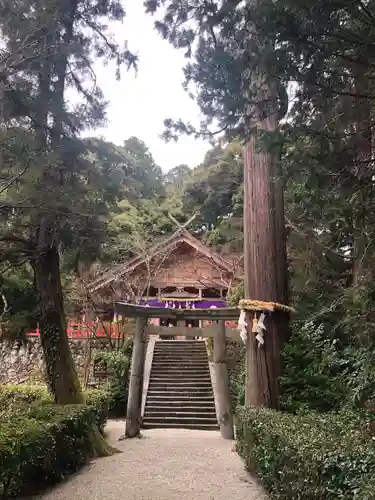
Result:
x=179 y=271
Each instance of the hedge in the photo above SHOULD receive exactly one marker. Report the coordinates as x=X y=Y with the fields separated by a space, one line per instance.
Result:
x=309 y=456
x=15 y=398
x=42 y=446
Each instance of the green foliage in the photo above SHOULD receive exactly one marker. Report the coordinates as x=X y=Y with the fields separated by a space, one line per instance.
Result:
x=18 y=288
x=324 y=374
x=237 y=376
x=51 y=196
x=213 y=190
x=361 y=381
x=236 y=295
x=42 y=445
x=118 y=368
x=325 y=147
x=99 y=401
x=315 y=371
x=18 y=397
x=309 y=456
x=148 y=173
x=15 y=399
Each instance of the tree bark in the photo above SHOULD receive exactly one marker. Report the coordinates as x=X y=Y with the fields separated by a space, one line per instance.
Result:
x=364 y=154
x=61 y=374
x=264 y=259
x=224 y=405
x=133 y=415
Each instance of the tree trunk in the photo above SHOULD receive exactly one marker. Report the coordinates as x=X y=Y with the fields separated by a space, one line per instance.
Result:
x=264 y=260
x=61 y=374
x=224 y=405
x=363 y=171
x=134 y=410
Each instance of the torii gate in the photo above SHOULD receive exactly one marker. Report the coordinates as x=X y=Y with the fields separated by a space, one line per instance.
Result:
x=219 y=332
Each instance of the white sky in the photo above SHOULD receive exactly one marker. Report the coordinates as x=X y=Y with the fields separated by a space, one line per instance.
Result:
x=139 y=103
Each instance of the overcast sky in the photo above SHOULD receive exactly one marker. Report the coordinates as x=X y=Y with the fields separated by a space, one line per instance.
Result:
x=139 y=103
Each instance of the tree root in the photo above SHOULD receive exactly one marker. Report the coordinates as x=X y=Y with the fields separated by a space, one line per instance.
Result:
x=100 y=447
x=124 y=436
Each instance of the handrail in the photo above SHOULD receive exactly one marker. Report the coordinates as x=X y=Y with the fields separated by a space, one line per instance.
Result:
x=114 y=330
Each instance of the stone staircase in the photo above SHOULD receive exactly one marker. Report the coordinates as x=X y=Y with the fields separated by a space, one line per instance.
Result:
x=180 y=392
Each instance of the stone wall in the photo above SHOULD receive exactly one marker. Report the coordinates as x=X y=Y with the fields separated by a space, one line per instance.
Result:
x=21 y=363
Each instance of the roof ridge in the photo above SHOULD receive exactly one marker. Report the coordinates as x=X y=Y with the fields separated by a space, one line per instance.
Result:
x=110 y=275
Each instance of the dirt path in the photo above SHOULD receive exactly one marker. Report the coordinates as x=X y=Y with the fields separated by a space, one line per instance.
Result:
x=165 y=465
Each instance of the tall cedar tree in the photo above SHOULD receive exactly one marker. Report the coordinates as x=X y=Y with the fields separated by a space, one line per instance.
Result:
x=233 y=89
x=50 y=189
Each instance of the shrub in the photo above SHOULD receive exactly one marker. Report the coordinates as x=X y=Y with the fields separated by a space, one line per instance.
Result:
x=99 y=400
x=237 y=378
x=16 y=398
x=43 y=445
x=118 y=366
x=309 y=456
x=315 y=371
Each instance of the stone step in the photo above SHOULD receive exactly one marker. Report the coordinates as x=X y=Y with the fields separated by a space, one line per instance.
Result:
x=171 y=387
x=193 y=404
x=177 y=393
x=182 y=419
x=187 y=362
x=180 y=345
x=179 y=369
x=203 y=392
x=181 y=382
x=197 y=358
x=176 y=371
x=168 y=399
x=186 y=418
x=180 y=355
x=180 y=391
x=192 y=344
x=181 y=376
x=181 y=386
x=193 y=358
x=177 y=342
x=182 y=379
x=200 y=346
x=190 y=398
x=180 y=348
x=168 y=425
x=188 y=365
x=184 y=411
x=179 y=362
x=168 y=387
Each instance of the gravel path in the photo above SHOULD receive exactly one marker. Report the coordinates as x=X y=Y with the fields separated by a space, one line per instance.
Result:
x=166 y=464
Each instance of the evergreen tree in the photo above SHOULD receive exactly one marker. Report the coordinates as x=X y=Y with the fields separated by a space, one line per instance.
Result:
x=51 y=188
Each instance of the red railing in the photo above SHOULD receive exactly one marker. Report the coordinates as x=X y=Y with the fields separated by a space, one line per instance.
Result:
x=87 y=330
x=83 y=330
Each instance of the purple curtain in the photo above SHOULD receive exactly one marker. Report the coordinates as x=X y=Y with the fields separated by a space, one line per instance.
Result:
x=203 y=304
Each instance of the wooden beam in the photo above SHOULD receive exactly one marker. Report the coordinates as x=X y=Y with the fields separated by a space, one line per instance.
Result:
x=181 y=226
x=180 y=331
x=222 y=392
x=134 y=310
x=166 y=331
x=133 y=415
